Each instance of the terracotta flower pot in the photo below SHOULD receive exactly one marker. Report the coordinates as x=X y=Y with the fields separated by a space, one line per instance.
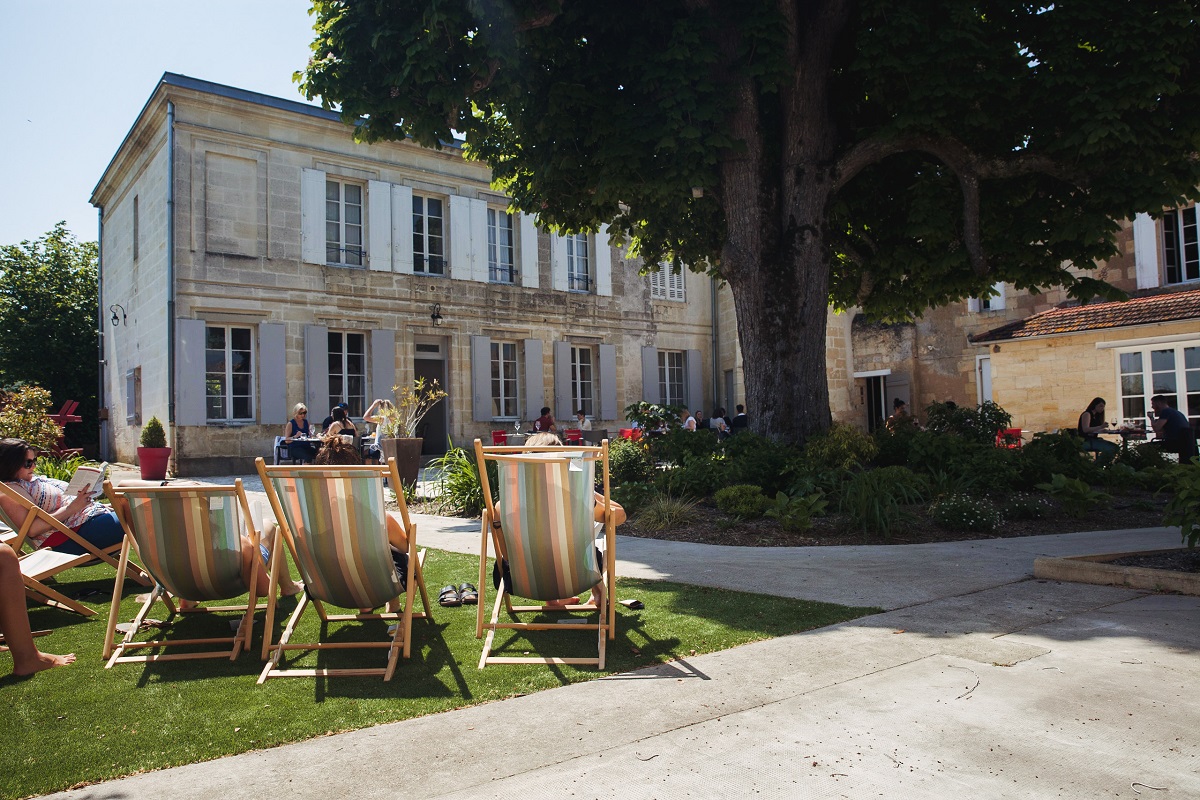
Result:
x=152 y=461
x=407 y=453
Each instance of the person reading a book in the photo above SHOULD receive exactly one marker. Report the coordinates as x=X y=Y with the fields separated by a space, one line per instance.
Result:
x=94 y=522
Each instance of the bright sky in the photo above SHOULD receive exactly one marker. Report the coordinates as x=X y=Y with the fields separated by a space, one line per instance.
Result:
x=79 y=71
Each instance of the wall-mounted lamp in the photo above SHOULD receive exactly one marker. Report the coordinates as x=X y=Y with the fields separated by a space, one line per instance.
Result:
x=118 y=314
x=436 y=314
x=697 y=192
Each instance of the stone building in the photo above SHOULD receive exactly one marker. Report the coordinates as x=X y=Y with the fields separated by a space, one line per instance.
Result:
x=254 y=256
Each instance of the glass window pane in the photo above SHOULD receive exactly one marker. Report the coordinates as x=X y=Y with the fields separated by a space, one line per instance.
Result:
x=1164 y=382
x=214 y=361
x=353 y=194
x=1131 y=362
x=1191 y=358
x=1161 y=360
x=214 y=338
x=353 y=215
x=241 y=384
x=1134 y=407
x=239 y=338
x=332 y=190
x=241 y=408
x=1193 y=380
x=1132 y=384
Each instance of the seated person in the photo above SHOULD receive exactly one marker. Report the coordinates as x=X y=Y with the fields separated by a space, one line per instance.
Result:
x=341 y=424
x=325 y=423
x=1173 y=429
x=94 y=522
x=1091 y=425
x=900 y=417
x=375 y=416
x=740 y=420
x=14 y=621
x=298 y=426
x=545 y=423
x=619 y=516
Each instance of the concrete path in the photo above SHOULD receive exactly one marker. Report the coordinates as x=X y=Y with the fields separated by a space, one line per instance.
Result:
x=977 y=682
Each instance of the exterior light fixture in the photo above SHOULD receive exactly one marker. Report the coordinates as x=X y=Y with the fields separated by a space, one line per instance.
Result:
x=436 y=314
x=118 y=314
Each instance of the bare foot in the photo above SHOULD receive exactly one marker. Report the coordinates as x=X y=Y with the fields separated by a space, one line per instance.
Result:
x=44 y=661
x=296 y=588
x=566 y=601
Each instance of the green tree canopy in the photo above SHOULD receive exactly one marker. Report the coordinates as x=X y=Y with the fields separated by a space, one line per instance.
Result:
x=860 y=154
x=48 y=302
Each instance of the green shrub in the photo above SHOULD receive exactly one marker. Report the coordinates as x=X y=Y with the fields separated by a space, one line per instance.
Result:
x=741 y=500
x=758 y=460
x=960 y=512
x=651 y=416
x=629 y=462
x=697 y=476
x=875 y=499
x=944 y=482
x=895 y=444
x=677 y=445
x=62 y=469
x=1119 y=475
x=24 y=417
x=462 y=492
x=1143 y=456
x=1024 y=505
x=1183 y=509
x=1074 y=495
x=979 y=425
x=994 y=469
x=665 y=512
x=795 y=513
x=1051 y=453
x=841 y=447
x=634 y=496
x=929 y=450
x=153 y=434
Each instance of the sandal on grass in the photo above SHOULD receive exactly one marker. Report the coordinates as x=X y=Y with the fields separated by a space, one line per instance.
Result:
x=469 y=594
x=449 y=597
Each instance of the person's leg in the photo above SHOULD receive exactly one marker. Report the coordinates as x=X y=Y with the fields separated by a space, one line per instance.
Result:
x=14 y=621
x=102 y=530
x=1106 y=451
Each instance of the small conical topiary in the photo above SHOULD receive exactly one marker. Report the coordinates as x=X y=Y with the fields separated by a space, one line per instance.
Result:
x=153 y=434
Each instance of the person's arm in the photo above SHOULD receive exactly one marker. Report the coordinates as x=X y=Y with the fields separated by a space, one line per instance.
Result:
x=1159 y=424
x=1087 y=426
x=369 y=415
x=287 y=432
x=16 y=512
x=619 y=515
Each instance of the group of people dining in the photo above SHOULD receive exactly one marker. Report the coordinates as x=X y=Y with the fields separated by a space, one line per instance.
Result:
x=304 y=441
x=718 y=421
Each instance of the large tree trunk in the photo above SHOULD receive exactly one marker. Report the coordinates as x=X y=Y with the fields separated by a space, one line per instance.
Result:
x=775 y=193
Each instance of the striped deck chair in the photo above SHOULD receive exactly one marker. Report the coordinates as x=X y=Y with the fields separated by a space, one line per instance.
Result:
x=543 y=530
x=190 y=540
x=39 y=565
x=334 y=522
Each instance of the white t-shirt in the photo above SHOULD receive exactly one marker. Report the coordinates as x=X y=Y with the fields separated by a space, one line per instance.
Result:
x=585 y=424
x=689 y=424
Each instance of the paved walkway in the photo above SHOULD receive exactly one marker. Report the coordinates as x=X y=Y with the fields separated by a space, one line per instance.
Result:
x=978 y=681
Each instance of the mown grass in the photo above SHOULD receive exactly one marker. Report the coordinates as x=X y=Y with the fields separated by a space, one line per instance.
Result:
x=83 y=723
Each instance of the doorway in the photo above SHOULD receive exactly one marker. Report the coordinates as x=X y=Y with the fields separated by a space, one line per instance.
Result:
x=429 y=362
x=876 y=402
x=983 y=379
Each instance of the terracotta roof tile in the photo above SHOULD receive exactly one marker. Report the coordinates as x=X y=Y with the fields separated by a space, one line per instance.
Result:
x=1097 y=316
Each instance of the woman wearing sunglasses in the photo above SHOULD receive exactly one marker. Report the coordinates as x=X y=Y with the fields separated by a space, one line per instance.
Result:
x=94 y=522
x=300 y=435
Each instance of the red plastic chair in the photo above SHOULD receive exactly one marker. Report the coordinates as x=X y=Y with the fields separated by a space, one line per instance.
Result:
x=573 y=436
x=626 y=433
x=499 y=438
x=1009 y=438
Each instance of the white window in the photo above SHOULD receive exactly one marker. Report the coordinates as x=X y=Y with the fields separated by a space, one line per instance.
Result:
x=666 y=284
x=228 y=373
x=344 y=223
x=992 y=302
x=579 y=276
x=429 y=235
x=1170 y=370
x=506 y=403
x=348 y=371
x=582 y=380
x=500 y=246
x=1181 y=250
x=672 y=376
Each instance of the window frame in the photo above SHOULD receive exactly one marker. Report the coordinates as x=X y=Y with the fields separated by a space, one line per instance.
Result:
x=342 y=247
x=666 y=396
x=228 y=395
x=1180 y=255
x=668 y=285
x=580 y=398
x=425 y=261
x=578 y=253
x=497 y=362
x=496 y=249
x=343 y=374
x=1187 y=395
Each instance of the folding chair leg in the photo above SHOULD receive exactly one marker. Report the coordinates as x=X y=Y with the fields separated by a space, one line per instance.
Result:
x=115 y=607
x=56 y=598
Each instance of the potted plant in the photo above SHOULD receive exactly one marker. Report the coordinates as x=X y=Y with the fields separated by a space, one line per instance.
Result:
x=397 y=433
x=153 y=453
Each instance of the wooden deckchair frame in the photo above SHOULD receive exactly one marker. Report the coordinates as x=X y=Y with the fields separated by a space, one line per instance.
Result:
x=233 y=646
x=605 y=625
x=38 y=565
x=400 y=642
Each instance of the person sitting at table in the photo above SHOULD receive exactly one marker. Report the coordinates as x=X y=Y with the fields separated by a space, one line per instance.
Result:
x=325 y=423
x=687 y=421
x=1091 y=425
x=582 y=421
x=374 y=416
x=1173 y=429
x=341 y=424
x=14 y=621
x=298 y=428
x=545 y=423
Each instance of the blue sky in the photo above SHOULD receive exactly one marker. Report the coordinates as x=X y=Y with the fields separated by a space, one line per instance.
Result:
x=79 y=71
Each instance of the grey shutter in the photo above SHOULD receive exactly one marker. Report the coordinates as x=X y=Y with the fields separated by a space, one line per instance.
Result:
x=558 y=262
x=316 y=371
x=481 y=378
x=695 y=380
x=272 y=374
x=650 y=393
x=189 y=373
x=312 y=216
x=383 y=365
x=479 y=242
x=379 y=226
x=562 y=380
x=402 y=229
x=603 y=264
x=460 y=237
x=535 y=379
x=1145 y=250
x=608 y=381
x=527 y=245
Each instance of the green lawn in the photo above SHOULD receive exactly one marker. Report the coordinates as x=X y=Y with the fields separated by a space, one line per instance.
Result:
x=83 y=723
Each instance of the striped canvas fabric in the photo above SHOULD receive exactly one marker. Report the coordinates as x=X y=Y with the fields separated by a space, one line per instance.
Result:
x=546 y=516
x=339 y=528
x=190 y=542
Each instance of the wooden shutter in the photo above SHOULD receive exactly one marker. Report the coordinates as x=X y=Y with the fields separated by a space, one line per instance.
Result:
x=481 y=378
x=190 y=398
x=460 y=238
x=479 y=241
x=608 y=381
x=650 y=388
x=383 y=366
x=695 y=380
x=535 y=380
x=379 y=226
x=1145 y=251
x=558 y=262
x=272 y=374
x=316 y=371
x=312 y=216
x=527 y=248
x=997 y=300
x=562 y=380
x=603 y=265
x=675 y=284
x=402 y=229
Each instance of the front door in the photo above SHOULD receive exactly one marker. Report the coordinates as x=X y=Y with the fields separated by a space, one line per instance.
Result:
x=430 y=364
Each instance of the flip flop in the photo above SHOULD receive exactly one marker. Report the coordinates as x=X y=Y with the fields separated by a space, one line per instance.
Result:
x=449 y=597
x=469 y=594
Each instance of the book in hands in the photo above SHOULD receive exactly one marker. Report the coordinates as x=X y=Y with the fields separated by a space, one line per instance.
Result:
x=88 y=479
